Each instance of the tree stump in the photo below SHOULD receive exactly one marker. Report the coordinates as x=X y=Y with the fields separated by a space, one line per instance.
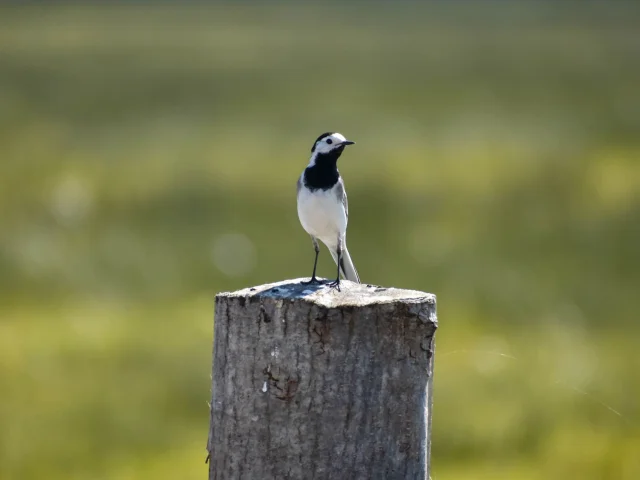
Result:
x=311 y=383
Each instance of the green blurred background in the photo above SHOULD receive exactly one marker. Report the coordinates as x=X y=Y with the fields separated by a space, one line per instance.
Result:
x=148 y=159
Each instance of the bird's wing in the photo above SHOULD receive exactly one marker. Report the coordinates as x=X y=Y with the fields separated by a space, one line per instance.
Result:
x=299 y=185
x=341 y=193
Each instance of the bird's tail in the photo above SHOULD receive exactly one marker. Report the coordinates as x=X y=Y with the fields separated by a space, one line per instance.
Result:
x=347 y=269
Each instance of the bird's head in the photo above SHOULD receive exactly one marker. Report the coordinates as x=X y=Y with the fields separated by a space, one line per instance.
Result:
x=330 y=143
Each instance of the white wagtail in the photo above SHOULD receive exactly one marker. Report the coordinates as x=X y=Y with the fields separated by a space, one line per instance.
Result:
x=322 y=204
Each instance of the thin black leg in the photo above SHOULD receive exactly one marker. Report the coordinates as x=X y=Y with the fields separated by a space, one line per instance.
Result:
x=336 y=284
x=314 y=280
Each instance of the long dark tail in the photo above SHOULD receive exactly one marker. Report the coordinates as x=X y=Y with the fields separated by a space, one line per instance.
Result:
x=347 y=269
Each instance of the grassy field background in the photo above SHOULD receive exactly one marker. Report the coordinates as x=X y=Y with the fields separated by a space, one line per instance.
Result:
x=148 y=157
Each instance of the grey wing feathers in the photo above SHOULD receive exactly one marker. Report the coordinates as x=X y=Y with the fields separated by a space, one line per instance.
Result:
x=342 y=196
x=299 y=185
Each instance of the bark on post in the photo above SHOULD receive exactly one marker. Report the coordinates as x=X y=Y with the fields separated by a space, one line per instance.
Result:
x=310 y=383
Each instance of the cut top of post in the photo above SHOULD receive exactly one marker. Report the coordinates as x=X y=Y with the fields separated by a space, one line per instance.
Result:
x=350 y=295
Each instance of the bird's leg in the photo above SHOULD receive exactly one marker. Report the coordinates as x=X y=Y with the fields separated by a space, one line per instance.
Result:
x=313 y=275
x=314 y=280
x=336 y=284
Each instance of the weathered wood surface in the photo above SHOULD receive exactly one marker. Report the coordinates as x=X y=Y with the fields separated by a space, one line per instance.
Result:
x=311 y=383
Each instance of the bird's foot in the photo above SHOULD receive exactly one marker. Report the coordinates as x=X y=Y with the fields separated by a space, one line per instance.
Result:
x=335 y=284
x=313 y=281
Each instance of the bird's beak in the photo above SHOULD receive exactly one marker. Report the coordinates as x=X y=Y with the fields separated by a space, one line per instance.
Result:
x=347 y=142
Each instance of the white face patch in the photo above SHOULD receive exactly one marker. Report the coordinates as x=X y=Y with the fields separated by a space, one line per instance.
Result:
x=329 y=143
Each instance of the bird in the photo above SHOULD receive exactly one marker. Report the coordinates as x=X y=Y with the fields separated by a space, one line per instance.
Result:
x=322 y=205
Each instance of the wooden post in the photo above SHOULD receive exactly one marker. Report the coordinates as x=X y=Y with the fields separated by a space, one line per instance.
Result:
x=311 y=383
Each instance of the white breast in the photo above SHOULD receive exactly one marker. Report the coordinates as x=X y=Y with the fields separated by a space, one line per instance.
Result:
x=322 y=215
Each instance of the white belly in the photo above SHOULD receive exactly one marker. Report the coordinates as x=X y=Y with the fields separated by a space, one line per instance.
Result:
x=322 y=215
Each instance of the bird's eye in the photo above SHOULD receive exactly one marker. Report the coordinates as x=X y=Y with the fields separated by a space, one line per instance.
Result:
x=329 y=141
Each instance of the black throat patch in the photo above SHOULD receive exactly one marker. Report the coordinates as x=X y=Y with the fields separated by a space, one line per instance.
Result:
x=324 y=173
